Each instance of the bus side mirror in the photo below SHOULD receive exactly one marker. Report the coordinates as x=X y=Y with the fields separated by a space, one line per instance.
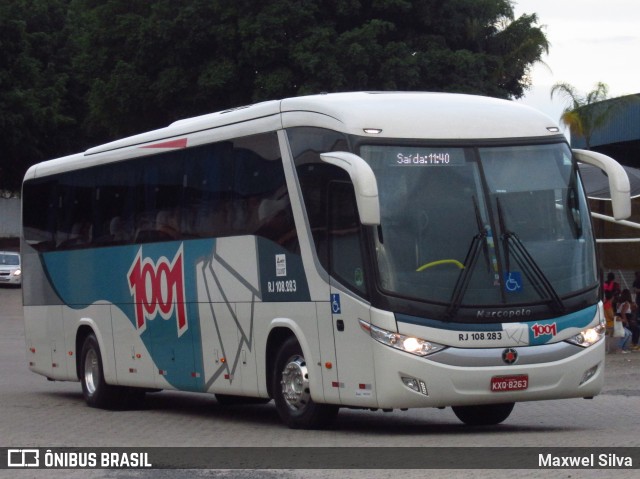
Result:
x=618 y=180
x=364 y=183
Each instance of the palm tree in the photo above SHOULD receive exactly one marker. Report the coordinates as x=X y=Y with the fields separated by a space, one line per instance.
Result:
x=585 y=114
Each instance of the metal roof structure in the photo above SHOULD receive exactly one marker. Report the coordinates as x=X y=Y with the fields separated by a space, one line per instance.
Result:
x=620 y=137
x=597 y=184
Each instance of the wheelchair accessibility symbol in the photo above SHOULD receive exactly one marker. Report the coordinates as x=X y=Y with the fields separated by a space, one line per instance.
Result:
x=335 y=304
x=513 y=282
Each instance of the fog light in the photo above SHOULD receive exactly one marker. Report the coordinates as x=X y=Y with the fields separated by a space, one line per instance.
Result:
x=416 y=384
x=588 y=374
x=411 y=383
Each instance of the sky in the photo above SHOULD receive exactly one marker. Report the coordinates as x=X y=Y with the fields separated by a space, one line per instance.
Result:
x=591 y=41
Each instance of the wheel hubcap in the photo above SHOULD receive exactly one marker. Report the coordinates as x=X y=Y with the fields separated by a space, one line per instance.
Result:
x=91 y=371
x=295 y=383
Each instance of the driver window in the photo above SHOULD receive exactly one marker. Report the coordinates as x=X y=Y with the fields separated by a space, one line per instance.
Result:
x=345 y=238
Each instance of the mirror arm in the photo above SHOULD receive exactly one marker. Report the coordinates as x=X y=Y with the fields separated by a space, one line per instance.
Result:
x=619 y=185
x=364 y=183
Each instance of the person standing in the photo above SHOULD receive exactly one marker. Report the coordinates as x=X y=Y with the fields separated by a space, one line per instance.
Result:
x=625 y=312
x=611 y=285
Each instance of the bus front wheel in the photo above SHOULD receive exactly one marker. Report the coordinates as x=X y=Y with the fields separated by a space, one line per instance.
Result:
x=483 y=415
x=291 y=391
x=97 y=393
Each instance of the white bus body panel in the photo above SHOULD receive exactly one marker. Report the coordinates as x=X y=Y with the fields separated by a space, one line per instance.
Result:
x=469 y=385
x=348 y=367
x=396 y=115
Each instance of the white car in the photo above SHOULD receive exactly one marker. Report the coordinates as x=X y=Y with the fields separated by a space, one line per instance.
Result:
x=10 y=268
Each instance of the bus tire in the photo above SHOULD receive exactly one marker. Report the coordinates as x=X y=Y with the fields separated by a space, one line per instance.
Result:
x=483 y=415
x=290 y=388
x=97 y=393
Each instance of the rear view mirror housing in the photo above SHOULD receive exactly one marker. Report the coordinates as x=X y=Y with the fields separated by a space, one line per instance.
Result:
x=364 y=183
x=619 y=185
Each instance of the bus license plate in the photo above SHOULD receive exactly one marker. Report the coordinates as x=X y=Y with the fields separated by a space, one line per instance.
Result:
x=509 y=383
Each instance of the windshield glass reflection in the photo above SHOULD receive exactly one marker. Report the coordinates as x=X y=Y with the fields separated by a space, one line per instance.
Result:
x=452 y=218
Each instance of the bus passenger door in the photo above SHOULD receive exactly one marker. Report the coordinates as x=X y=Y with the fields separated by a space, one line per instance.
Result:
x=354 y=355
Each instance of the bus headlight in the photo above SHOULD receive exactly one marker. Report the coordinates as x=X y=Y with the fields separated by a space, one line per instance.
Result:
x=588 y=337
x=17 y=272
x=409 y=344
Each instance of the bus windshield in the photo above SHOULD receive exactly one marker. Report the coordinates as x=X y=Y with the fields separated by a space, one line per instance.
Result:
x=481 y=226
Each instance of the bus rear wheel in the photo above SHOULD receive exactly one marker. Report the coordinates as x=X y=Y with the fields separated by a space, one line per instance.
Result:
x=292 y=394
x=97 y=393
x=483 y=415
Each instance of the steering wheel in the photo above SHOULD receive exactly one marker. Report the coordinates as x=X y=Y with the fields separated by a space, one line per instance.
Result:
x=454 y=262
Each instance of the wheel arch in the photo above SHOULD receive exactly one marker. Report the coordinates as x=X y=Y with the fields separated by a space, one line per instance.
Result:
x=87 y=327
x=81 y=335
x=277 y=336
x=281 y=330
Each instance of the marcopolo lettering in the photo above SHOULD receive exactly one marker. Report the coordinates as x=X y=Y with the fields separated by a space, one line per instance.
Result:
x=504 y=314
x=158 y=288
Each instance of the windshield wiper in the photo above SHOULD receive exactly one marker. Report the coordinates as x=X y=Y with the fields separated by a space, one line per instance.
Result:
x=512 y=245
x=479 y=242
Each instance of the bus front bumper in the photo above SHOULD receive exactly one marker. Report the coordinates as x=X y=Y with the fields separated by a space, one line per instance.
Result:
x=563 y=370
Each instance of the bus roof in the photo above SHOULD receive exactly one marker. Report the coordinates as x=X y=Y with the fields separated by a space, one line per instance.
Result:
x=437 y=116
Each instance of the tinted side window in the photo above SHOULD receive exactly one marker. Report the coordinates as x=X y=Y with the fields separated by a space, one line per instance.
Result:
x=314 y=176
x=238 y=188
x=228 y=188
x=345 y=237
x=39 y=205
x=330 y=204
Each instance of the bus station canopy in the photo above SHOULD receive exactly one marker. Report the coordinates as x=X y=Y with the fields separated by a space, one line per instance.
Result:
x=597 y=185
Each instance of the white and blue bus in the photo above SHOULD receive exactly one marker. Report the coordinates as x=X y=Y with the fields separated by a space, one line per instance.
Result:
x=362 y=250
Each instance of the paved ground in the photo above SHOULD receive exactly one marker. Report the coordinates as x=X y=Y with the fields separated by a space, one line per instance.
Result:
x=35 y=412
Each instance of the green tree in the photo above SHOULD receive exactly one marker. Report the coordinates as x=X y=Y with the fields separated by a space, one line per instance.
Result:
x=144 y=64
x=74 y=73
x=33 y=85
x=584 y=114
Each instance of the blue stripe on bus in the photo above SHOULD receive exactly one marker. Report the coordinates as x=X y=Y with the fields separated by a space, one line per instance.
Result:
x=447 y=325
x=121 y=276
x=85 y=276
x=578 y=319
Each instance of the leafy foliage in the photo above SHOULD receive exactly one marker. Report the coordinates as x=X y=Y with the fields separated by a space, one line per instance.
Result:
x=584 y=114
x=79 y=72
x=33 y=85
